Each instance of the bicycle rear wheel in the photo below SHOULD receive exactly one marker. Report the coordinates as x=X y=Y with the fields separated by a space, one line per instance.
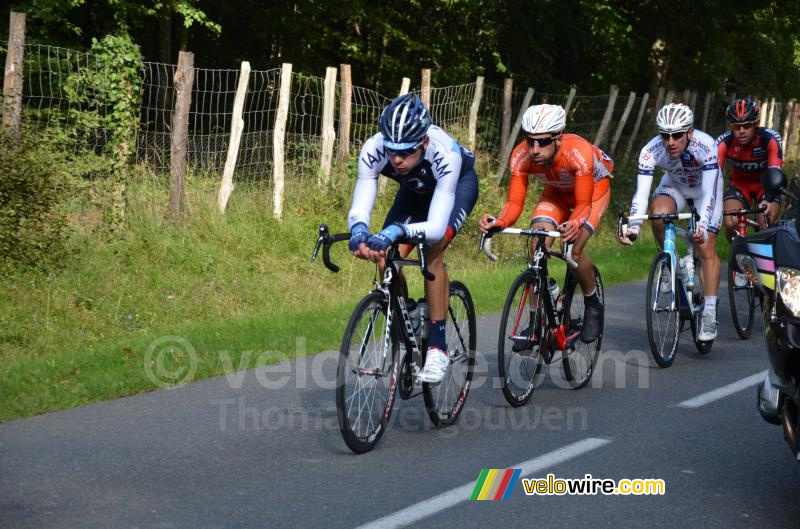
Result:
x=579 y=359
x=663 y=322
x=522 y=326
x=366 y=378
x=445 y=400
x=742 y=300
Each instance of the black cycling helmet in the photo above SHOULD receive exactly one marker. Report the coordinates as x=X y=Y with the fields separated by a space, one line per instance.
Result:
x=742 y=110
x=404 y=122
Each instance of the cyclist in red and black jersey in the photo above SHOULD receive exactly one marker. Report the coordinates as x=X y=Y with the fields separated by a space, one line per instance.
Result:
x=751 y=150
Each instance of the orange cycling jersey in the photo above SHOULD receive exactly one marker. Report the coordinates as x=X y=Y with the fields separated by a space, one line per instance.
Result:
x=576 y=167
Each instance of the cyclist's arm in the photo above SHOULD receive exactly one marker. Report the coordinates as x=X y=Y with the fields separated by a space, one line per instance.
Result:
x=710 y=175
x=581 y=161
x=644 y=179
x=447 y=170
x=518 y=186
x=722 y=152
x=370 y=162
x=774 y=153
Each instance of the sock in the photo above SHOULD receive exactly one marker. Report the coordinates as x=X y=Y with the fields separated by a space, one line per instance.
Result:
x=711 y=305
x=591 y=299
x=437 y=337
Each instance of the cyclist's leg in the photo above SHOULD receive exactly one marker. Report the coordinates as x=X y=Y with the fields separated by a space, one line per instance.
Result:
x=437 y=292
x=734 y=199
x=593 y=307
x=666 y=199
x=710 y=273
x=550 y=211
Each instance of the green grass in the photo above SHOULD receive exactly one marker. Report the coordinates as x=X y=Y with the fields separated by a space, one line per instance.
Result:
x=241 y=284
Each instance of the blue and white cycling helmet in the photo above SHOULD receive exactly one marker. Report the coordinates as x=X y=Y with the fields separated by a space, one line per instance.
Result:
x=404 y=122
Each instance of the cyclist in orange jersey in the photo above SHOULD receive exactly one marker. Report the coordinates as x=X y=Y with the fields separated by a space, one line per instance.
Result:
x=576 y=193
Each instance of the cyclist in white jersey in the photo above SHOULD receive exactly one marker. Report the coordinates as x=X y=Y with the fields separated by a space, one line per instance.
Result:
x=689 y=158
x=438 y=189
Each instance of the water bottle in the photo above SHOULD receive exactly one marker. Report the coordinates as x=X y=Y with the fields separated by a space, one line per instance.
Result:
x=555 y=290
x=414 y=315
x=688 y=266
x=424 y=319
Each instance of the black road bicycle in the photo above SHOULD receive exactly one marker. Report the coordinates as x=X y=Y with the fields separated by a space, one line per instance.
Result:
x=534 y=326
x=381 y=353
x=741 y=292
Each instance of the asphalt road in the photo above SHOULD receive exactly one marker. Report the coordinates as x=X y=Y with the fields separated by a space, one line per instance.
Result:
x=261 y=448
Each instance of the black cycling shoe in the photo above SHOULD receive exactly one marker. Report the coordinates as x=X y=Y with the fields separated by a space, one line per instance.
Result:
x=524 y=343
x=592 y=322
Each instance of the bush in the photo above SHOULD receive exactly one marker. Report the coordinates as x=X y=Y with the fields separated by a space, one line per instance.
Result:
x=33 y=188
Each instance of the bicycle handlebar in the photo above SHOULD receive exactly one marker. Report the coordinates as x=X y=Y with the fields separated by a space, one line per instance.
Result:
x=326 y=240
x=622 y=226
x=486 y=242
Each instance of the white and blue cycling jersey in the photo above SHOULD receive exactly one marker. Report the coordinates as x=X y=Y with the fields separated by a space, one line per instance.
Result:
x=694 y=175
x=435 y=179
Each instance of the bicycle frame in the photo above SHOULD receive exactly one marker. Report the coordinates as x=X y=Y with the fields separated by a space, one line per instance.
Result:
x=537 y=264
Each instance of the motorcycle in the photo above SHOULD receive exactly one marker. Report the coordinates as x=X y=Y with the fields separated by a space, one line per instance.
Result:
x=771 y=260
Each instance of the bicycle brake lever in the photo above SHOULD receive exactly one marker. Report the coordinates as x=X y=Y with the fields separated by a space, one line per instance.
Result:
x=423 y=265
x=323 y=234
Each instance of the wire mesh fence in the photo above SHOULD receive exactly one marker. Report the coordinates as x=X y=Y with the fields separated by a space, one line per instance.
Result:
x=66 y=91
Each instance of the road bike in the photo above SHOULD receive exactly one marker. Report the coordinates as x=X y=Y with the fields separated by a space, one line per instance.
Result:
x=674 y=290
x=535 y=325
x=381 y=353
x=741 y=293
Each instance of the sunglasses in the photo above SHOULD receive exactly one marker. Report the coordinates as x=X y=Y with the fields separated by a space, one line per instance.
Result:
x=675 y=135
x=747 y=126
x=403 y=153
x=540 y=142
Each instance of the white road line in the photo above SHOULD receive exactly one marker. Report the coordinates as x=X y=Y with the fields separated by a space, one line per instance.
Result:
x=724 y=391
x=455 y=496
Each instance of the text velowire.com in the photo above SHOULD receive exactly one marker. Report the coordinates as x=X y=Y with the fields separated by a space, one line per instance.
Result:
x=551 y=486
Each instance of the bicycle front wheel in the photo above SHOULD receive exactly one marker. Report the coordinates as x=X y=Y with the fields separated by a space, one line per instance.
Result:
x=742 y=300
x=366 y=379
x=663 y=316
x=522 y=329
x=445 y=400
x=580 y=358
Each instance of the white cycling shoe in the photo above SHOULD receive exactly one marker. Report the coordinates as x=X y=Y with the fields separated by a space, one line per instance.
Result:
x=708 y=328
x=436 y=364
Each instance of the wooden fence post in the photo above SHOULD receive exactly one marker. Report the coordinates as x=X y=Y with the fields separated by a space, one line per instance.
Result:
x=473 y=112
x=603 y=129
x=345 y=110
x=506 y=154
x=570 y=99
x=687 y=94
x=12 y=81
x=184 y=79
x=404 y=86
x=762 y=115
x=792 y=141
x=425 y=89
x=636 y=126
x=659 y=99
x=786 y=120
x=505 y=127
x=693 y=100
x=237 y=126
x=278 y=137
x=623 y=121
x=328 y=133
x=706 y=107
x=771 y=115
x=669 y=97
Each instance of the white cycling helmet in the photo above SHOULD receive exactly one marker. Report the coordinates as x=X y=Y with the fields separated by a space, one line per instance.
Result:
x=675 y=117
x=543 y=119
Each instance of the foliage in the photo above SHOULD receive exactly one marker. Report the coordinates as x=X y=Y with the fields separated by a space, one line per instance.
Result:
x=33 y=223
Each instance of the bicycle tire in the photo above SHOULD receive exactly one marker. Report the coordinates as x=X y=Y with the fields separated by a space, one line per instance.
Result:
x=663 y=343
x=579 y=363
x=364 y=374
x=445 y=400
x=520 y=373
x=742 y=301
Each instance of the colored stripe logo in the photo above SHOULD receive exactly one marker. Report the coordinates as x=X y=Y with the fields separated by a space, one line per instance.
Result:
x=495 y=484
